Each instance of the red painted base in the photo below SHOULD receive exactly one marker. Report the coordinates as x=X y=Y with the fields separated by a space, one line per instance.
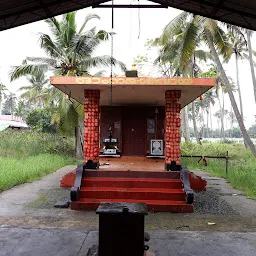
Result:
x=196 y=182
x=68 y=180
x=100 y=182
x=161 y=191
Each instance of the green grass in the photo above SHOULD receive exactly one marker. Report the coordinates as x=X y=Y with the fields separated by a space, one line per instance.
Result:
x=241 y=169
x=20 y=144
x=28 y=156
x=18 y=171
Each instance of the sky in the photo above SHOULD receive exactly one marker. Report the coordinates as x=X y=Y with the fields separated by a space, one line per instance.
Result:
x=132 y=28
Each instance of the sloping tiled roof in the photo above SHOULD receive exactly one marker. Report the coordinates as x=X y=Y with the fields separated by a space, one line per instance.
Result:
x=11 y=118
x=14 y=13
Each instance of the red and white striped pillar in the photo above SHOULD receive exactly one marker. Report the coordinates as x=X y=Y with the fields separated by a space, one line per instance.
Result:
x=91 y=125
x=172 y=126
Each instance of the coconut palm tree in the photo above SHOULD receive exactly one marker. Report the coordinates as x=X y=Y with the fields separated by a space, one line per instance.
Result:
x=3 y=90
x=208 y=99
x=71 y=52
x=207 y=30
x=238 y=44
x=20 y=109
x=232 y=120
x=34 y=92
x=171 y=53
x=249 y=44
x=9 y=104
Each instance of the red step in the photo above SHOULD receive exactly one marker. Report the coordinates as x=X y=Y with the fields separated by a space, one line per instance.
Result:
x=161 y=191
x=131 y=182
x=133 y=193
x=91 y=204
x=132 y=174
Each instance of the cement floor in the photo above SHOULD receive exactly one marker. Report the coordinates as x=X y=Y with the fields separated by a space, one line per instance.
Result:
x=30 y=225
x=76 y=242
x=128 y=163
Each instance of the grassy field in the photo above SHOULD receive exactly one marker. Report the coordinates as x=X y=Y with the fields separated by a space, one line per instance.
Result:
x=28 y=156
x=18 y=171
x=18 y=144
x=241 y=169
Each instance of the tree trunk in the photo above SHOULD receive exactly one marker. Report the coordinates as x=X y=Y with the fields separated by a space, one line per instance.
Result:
x=239 y=89
x=210 y=110
x=239 y=93
x=222 y=117
x=248 y=32
x=186 y=124
x=203 y=130
x=230 y=94
x=194 y=123
x=207 y=124
x=220 y=127
x=78 y=145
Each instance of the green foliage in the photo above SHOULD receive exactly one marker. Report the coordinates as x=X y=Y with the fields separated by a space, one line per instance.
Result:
x=18 y=171
x=9 y=104
x=241 y=168
x=21 y=109
x=208 y=148
x=28 y=156
x=35 y=93
x=40 y=120
x=20 y=144
x=252 y=131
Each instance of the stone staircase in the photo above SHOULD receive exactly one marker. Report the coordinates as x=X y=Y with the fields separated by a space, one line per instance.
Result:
x=161 y=191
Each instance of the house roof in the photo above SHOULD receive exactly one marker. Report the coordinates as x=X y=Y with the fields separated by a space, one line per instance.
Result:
x=14 y=13
x=134 y=90
x=11 y=121
x=11 y=118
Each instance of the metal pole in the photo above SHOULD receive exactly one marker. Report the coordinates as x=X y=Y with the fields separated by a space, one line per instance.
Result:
x=227 y=164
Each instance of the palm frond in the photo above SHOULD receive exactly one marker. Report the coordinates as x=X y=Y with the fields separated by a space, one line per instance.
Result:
x=103 y=35
x=24 y=70
x=202 y=55
x=99 y=73
x=188 y=45
x=50 y=61
x=54 y=26
x=69 y=28
x=174 y=25
x=84 y=45
x=103 y=61
x=49 y=46
x=218 y=37
x=88 y=17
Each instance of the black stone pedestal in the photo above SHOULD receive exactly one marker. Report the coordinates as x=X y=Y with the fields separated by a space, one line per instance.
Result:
x=121 y=229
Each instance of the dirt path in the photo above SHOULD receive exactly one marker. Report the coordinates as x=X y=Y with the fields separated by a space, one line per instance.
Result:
x=32 y=205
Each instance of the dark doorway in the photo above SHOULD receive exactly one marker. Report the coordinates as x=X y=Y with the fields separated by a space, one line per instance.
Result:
x=134 y=131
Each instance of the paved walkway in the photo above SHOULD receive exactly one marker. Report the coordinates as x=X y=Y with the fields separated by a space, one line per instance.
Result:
x=30 y=225
x=63 y=242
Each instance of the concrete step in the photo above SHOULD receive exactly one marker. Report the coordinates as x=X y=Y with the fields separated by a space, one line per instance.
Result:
x=131 y=182
x=132 y=174
x=91 y=204
x=132 y=193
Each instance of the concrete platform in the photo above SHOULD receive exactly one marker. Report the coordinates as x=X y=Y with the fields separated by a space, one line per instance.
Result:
x=76 y=242
x=130 y=163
